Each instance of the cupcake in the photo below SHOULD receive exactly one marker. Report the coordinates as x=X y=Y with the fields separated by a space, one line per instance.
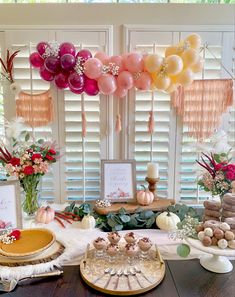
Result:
x=112 y=249
x=100 y=243
x=130 y=237
x=145 y=244
x=114 y=237
x=131 y=249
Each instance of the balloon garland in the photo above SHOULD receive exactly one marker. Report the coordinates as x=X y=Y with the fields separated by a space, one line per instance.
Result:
x=80 y=72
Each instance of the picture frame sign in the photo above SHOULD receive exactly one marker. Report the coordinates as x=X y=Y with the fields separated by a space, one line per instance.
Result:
x=10 y=210
x=118 y=180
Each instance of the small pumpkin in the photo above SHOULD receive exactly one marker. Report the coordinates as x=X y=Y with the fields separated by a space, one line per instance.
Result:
x=144 y=197
x=88 y=222
x=167 y=221
x=45 y=215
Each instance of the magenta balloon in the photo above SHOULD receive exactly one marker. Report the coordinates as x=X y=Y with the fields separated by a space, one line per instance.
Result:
x=67 y=48
x=84 y=54
x=76 y=81
x=91 y=87
x=143 y=82
x=120 y=92
x=125 y=80
x=36 y=60
x=107 y=84
x=93 y=68
x=76 y=91
x=41 y=47
x=52 y=64
x=45 y=74
x=61 y=80
x=118 y=61
x=67 y=62
x=134 y=62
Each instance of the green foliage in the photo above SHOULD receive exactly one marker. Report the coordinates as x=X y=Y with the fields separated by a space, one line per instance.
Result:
x=82 y=210
x=182 y=210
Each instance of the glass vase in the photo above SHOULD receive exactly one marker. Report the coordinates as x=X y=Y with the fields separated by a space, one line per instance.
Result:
x=30 y=185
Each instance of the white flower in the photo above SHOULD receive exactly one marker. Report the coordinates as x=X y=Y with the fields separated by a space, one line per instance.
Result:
x=15 y=88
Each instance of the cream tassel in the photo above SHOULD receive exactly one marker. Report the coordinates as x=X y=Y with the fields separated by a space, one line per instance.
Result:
x=84 y=123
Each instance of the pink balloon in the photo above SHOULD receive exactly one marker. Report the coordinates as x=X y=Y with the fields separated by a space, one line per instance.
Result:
x=134 y=62
x=93 y=68
x=61 y=80
x=52 y=64
x=67 y=62
x=41 y=47
x=125 y=80
x=76 y=91
x=143 y=82
x=118 y=61
x=45 y=74
x=84 y=54
x=103 y=57
x=91 y=87
x=76 y=81
x=120 y=92
x=107 y=84
x=36 y=60
x=67 y=48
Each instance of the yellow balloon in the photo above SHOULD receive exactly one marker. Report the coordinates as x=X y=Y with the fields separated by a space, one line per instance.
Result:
x=174 y=65
x=198 y=66
x=186 y=77
x=153 y=63
x=162 y=82
x=194 y=41
x=171 y=88
x=172 y=50
x=190 y=57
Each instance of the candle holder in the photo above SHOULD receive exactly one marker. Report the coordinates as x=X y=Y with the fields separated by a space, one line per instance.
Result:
x=152 y=184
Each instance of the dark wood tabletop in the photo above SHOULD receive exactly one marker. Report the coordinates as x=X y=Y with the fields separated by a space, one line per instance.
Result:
x=186 y=278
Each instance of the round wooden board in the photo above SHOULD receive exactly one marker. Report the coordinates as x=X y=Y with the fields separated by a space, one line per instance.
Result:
x=94 y=268
x=51 y=253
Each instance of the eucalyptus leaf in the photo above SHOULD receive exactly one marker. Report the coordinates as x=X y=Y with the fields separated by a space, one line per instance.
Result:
x=118 y=227
x=40 y=141
x=183 y=250
x=150 y=222
x=27 y=136
x=125 y=218
x=111 y=223
x=122 y=211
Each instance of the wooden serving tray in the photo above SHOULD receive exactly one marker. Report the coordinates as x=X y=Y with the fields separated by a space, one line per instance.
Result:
x=94 y=268
x=157 y=205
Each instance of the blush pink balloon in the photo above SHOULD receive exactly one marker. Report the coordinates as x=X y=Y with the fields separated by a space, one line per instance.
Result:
x=41 y=47
x=120 y=92
x=143 y=82
x=52 y=64
x=134 y=62
x=118 y=61
x=61 y=80
x=67 y=62
x=125 y=80
x=103 y=57
x=84 y=54
x=36 y=60
x=91 y=87
x=107 y=84
x=76 y=91
x=45 y=74
x=76 y=81
x=67 y=48
x=93 y=68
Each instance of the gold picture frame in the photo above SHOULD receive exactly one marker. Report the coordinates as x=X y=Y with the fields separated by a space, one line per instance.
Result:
x=10 y=205
x=118 y=180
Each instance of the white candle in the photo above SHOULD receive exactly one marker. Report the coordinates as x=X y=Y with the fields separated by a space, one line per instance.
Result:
x=152 y=170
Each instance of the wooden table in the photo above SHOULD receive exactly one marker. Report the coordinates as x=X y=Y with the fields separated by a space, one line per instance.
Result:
x=184 y=278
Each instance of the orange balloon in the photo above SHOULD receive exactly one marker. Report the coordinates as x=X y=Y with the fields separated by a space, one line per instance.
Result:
x=162 y=82
x=174 y=65
x=172 y=50
x=190 y=57
x=186 y=77
x=194 y=41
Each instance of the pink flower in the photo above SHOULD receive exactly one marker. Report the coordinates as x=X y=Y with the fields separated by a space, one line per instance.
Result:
x=50 y=158
x=218 y=166
x=230 y=175
x=28 y=170
x=231 y=167
x=36 y=156
x=15 y=161
x=51 y=151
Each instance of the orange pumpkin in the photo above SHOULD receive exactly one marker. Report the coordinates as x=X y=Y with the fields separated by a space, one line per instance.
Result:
x=144 y=197
x=45 y=215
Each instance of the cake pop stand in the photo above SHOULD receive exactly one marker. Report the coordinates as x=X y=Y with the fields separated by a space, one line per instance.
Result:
x=217 y=260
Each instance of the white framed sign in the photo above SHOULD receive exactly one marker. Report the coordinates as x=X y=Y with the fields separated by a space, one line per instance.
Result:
x=118 y=180
x=10 y=210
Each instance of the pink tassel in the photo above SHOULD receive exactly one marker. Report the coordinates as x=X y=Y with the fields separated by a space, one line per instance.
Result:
x=84 y=124
x=118 y=126
x=151 y=122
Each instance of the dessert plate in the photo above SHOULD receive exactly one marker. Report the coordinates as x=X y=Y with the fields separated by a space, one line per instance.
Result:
x=31 y=243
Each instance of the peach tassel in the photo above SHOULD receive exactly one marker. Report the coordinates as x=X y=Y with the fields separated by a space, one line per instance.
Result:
x=151 y=122
x=84 y=124
x=118 y=126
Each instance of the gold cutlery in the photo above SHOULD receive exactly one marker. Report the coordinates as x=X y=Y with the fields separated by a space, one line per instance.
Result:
x=106 y=271
x=86 y=254
x=159 y=256
x=138 y=270
x=133 y=272
x=119 y=274
x=112 y=273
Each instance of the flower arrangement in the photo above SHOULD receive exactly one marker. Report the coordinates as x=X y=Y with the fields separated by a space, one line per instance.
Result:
x=28 y=162
x=219 y=173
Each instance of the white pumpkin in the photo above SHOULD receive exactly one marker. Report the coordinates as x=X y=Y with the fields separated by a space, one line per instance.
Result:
x=88 y=222
x=144 y=197
x=167 y=221
x=45 y=215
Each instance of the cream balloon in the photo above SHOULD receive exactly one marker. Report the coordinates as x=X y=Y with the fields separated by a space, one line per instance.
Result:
x=198 y=66
x=194 y=41
x=186 y=77
x=174 y=65
x=190 y=57
x=153 y=63
x=171 y=88
x=162 y=82
x=172 y=50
